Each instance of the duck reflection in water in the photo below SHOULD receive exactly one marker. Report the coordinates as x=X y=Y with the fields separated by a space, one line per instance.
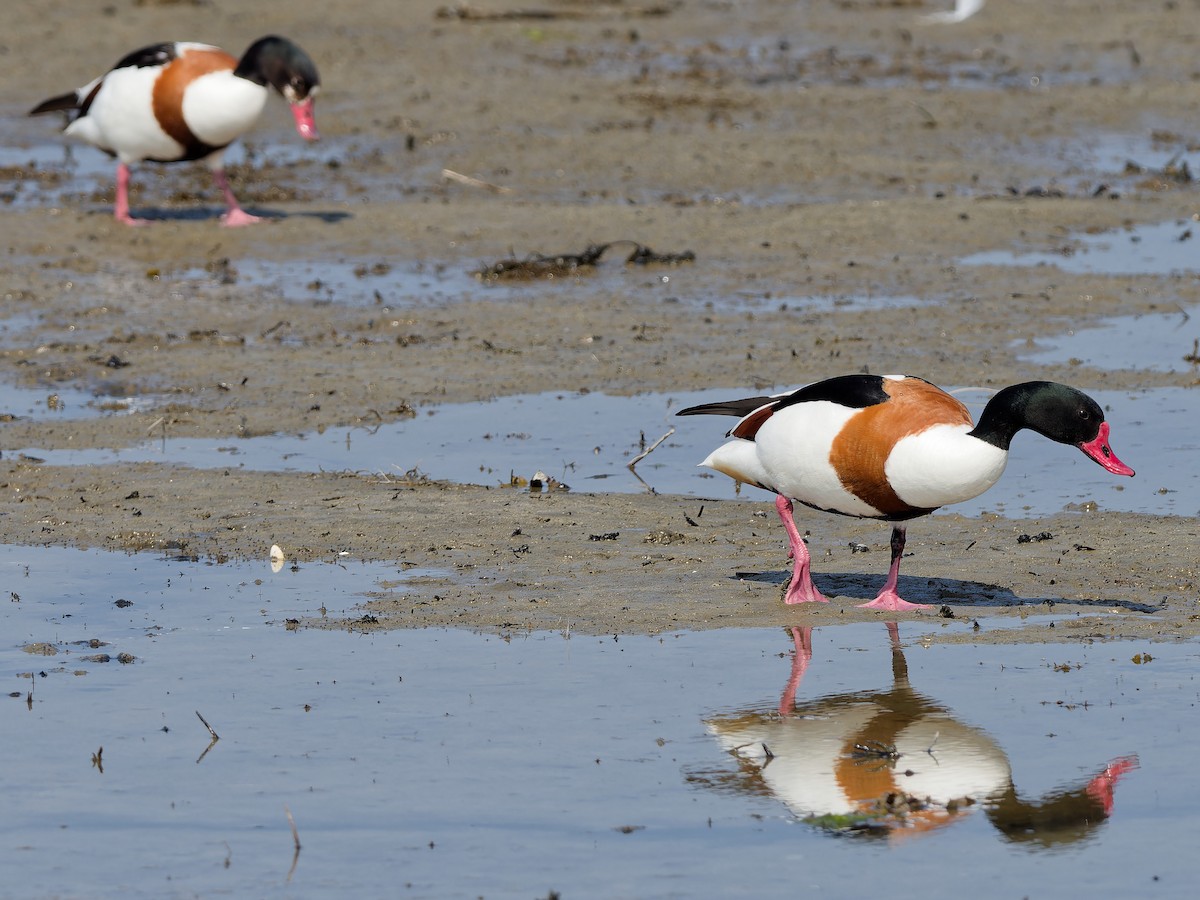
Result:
x=895 y=763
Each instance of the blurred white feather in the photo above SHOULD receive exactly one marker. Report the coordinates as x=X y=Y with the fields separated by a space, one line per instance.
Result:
x=963 y=10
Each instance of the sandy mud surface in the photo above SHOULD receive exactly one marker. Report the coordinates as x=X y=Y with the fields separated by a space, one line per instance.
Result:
x=801 y=151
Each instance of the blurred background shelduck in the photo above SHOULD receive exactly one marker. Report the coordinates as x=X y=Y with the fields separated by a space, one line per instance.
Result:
x=180 y=101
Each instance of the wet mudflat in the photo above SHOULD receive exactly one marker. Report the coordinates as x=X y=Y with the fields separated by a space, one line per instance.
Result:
x=433 y=762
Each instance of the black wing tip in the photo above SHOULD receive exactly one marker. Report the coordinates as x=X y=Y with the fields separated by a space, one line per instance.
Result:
x=739 y=408
x=63 y=102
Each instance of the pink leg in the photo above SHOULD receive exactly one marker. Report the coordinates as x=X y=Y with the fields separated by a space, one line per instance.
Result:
x=894 y=636
x=800 y=589
x=121 y=207
x=888 y=599
x=802 y=638
x=234 y=216
x=899 y=663
x=1102 y=786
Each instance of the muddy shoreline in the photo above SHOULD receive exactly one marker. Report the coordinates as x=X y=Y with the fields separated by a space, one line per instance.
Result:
x=806 y=159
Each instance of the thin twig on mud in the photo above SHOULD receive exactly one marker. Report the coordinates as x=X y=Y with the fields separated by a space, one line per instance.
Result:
x=632 y=464
x=451 y=175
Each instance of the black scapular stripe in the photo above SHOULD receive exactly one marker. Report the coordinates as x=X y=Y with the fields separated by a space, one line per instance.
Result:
x=154 y=55
x=850 y=391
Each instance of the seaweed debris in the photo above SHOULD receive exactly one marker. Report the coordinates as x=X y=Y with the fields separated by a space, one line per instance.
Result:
x=562 y=265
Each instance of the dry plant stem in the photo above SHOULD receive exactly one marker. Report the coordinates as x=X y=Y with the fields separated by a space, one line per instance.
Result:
x=451 y=175
x=292 y=822
x=637 y=459
x=215 y=736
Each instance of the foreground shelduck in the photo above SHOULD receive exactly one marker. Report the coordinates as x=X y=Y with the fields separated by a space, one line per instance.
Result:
x=184 y=101
x=889 y=447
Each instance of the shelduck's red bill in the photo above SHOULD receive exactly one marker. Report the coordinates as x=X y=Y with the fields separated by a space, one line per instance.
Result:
x=1099 y=450
x=306 y=124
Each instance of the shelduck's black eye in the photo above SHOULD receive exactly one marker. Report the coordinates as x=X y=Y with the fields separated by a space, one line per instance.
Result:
x=1084 y=414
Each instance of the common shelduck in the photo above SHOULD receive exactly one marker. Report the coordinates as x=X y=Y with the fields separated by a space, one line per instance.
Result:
x=889 y=447
x=894 y=761
x=184 y=101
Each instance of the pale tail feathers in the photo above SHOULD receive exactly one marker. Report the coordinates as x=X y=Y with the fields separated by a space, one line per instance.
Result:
x=739 y=460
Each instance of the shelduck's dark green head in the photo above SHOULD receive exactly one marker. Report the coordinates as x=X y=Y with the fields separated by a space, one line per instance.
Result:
x=1057 y=411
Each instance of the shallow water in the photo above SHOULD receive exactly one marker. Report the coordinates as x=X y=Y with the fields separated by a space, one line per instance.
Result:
x=58 y=403
x=353 y=282
x=1159 y=342
x=587 y=440
x=379 y=283
x=1159 y=248
x=444 y=763
x=39 y=166
x=1132 y=154
x=787 y=60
